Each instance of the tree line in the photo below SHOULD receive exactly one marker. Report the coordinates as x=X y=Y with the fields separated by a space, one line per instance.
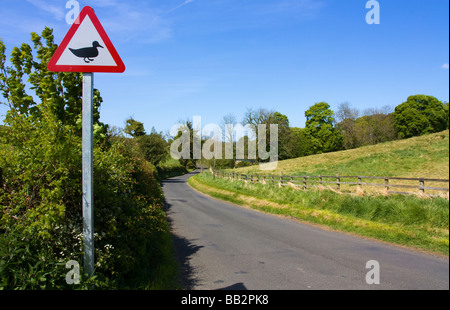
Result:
x=327 y=131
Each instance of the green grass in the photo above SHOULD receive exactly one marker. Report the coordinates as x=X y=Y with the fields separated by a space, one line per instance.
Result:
x=404 y=220
x=426 y=156
x=165 y=276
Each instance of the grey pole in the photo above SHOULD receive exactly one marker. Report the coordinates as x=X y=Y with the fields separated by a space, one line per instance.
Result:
x=88 y=173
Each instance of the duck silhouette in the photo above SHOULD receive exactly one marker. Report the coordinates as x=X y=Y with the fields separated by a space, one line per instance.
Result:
x=87 y=53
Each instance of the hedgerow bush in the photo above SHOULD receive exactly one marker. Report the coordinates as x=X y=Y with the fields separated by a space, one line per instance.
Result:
x=41 y=191
x=40 y=201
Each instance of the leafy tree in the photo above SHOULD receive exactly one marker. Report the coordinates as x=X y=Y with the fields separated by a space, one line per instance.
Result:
x=375 y=126
x=61 y=91
x=320 y=128
x=154 y=147
x=301 y=143
x=373 y=129
x=134 y=128
x=270 y=117
x=284 y=135
x=420 y=115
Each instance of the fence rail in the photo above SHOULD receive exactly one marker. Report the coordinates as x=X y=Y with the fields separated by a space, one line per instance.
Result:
x=350 y=183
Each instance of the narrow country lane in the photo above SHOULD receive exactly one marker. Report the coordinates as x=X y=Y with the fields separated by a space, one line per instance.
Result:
x=224 y=246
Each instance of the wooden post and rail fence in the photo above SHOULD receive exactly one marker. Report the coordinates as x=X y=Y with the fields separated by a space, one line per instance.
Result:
x=416 y=186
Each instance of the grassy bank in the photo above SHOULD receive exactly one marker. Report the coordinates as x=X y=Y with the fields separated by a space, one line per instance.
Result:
x=404 y=220
x=425 y=156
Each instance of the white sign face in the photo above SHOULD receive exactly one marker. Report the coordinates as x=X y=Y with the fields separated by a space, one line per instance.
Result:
x=83 y=51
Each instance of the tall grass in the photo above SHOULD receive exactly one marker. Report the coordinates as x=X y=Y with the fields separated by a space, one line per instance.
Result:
x=404 y=220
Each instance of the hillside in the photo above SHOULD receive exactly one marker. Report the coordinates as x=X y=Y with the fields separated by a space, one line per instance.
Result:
x=426 y=156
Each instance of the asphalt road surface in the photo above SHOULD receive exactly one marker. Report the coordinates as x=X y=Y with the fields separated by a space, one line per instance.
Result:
x=223 y=246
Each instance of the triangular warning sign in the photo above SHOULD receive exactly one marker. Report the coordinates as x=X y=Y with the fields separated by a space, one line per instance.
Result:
x=86 y=48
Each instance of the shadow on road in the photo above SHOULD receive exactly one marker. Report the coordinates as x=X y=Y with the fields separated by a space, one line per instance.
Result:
x=184 y=249
x=234 y=287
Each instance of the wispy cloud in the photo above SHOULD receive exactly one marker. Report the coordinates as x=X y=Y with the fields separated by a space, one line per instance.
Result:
x=180 y=5
x=56 y=10
x=141 y=24
x=445 y=66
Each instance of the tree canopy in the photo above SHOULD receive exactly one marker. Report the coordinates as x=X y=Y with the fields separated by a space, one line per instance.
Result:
x=320 y=128
x=421 y=114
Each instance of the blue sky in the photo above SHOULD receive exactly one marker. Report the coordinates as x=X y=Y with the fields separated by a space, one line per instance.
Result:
x=215 y=57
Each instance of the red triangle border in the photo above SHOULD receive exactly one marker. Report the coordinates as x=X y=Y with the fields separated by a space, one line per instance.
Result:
x=86 y=11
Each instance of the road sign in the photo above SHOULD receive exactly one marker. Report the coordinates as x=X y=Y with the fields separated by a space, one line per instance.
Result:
x=86 y=48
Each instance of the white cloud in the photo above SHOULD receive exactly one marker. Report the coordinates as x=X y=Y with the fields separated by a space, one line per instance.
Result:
x=445 y=66
x=57 y=11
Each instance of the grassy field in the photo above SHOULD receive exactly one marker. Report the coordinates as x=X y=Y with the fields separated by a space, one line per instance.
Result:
x=425 y=156
x=404 y=220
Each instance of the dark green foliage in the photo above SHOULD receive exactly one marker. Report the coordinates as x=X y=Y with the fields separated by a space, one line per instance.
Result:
x=40 y=187
x=320 y=129
x=420 y=115
x=134 y=128
x=154 y=147
x=41 y=202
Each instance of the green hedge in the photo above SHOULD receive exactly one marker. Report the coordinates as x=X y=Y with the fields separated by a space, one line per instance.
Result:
x=41 y=213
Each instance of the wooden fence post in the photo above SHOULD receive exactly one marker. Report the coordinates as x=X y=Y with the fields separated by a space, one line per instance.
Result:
x=290 y=179
x=422 y=186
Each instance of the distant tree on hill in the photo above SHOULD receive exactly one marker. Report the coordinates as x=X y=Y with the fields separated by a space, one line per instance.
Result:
x=284 y=135
x=346 y=117
x=320 y=128
x=374 y=129
x=301 y=143
x=420 y=115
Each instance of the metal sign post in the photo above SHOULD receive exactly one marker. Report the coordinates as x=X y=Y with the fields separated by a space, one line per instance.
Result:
x=87 y=48
x=88 y=172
